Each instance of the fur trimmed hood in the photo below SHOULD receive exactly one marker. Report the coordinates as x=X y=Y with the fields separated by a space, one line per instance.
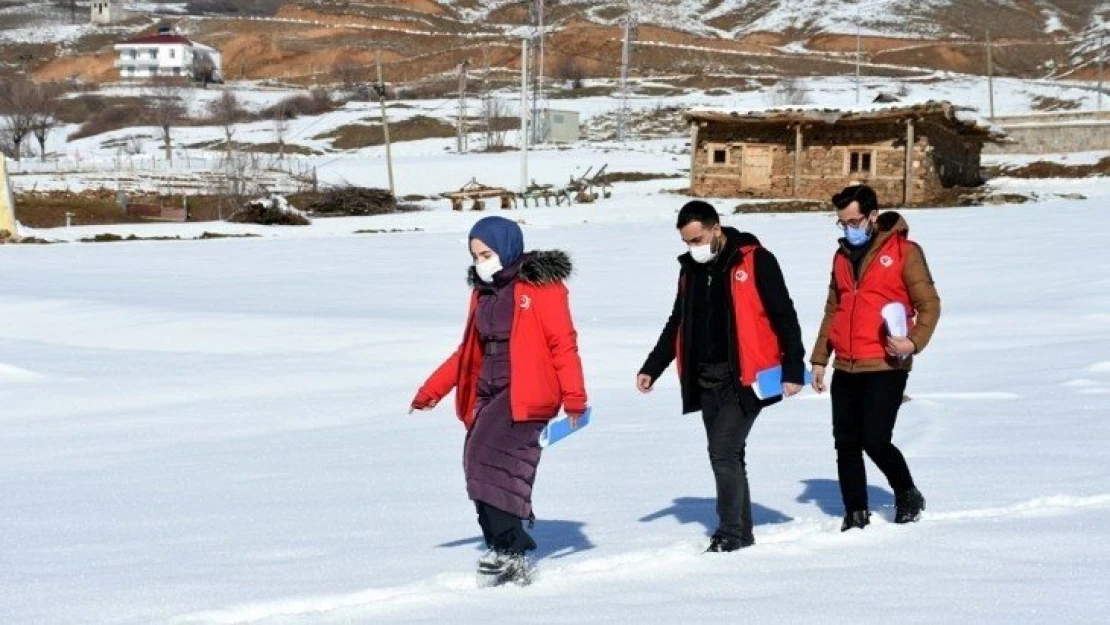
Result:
x=539 y=268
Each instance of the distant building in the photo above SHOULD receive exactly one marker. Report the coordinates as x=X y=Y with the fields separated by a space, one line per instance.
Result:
x=909 y=154
x=107 y=11
x=168 y=54
x=1057 y=132
x=558 y=126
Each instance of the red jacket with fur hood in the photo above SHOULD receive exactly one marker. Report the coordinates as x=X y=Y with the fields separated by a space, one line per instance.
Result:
x=546 y=372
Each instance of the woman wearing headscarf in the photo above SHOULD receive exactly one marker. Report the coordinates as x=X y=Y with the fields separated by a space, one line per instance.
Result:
x=516 y=367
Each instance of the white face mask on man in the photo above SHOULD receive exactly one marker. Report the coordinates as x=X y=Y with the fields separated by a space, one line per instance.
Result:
x=702 y=253
x=487 y=268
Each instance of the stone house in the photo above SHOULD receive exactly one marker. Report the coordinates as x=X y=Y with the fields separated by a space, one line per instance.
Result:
x=908 y=154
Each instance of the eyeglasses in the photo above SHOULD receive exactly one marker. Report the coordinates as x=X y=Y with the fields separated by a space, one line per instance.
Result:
x=842 y=223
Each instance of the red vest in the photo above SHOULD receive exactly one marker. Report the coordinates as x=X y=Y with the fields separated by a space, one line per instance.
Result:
x=858 y=331
x=756 y=342
x=545 y=370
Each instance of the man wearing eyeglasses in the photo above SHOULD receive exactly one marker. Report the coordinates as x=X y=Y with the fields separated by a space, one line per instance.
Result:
x=875 y=266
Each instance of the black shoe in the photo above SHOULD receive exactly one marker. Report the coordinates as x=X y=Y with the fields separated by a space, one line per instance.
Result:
x=723 y=544
x=908 y=506
x=859 y=518
x=499 y=568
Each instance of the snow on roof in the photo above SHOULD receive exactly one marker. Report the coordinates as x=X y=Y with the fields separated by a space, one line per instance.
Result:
x=961 y=117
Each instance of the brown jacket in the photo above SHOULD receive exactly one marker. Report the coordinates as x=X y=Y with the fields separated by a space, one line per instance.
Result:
x=919 y=285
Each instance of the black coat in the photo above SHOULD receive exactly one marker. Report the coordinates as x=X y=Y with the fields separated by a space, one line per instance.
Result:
x=776 y=301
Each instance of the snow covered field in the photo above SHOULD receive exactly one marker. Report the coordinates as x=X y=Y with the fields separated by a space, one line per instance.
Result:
x=216 y=431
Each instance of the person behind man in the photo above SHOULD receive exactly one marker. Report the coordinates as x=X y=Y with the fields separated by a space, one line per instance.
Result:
x=732 y=318
x=875 y=265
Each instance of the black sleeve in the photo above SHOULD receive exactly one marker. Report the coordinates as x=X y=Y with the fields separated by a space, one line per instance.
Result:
x=783 y=317
x=660 y=358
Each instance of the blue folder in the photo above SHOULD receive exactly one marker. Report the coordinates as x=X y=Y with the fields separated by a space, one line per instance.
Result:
x=768 y=383
x=558 y=429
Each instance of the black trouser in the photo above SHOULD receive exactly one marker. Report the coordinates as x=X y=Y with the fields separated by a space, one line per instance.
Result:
x=727 y=425
x=865 y=407
x=503 y=531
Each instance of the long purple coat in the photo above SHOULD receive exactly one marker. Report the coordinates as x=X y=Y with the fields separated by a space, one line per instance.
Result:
x=500 y=457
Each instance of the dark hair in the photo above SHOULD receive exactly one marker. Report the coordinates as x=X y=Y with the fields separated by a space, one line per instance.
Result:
x=699 y=211
x=865 y=195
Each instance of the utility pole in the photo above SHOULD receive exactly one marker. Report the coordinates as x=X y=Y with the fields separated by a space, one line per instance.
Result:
x=380 y=88
x=524 y=115
x=461 y=143
x=487 y=113
x=626 y=51
x=537 y=131
x=859 y=54
x=990 y=74
x=1101 y=62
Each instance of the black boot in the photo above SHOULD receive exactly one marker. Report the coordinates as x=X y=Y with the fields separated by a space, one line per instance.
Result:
x=859 y=518
x=908 y=506
x=722 y=544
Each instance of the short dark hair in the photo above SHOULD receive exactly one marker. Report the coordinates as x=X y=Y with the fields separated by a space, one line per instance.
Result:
x=699 y=211
x=865 y=195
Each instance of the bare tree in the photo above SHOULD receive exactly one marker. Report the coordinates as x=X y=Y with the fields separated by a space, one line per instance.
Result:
x=281 y=126
x=19 y=104
x=571 y=71
x=7 y=148
x=349 y=74
x=167 y=109
x=226 y=111
x=45 y=115
x=204 y=68
x=499 y=124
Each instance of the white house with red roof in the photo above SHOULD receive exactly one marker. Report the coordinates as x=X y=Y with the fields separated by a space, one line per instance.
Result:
x=167 y=54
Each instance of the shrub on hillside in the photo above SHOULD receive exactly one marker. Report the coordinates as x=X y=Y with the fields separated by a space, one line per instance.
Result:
x=316 y=102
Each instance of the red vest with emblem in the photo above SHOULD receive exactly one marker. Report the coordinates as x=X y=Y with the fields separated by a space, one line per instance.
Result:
x=857 y=331
x=756 y=342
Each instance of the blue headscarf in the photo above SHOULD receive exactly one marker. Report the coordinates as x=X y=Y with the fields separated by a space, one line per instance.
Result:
x=501 y=235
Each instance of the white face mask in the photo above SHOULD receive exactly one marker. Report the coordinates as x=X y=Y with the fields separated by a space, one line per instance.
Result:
x=487 y=268
x=702 y=253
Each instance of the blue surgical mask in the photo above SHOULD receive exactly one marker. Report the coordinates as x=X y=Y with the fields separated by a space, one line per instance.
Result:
x=857 y=235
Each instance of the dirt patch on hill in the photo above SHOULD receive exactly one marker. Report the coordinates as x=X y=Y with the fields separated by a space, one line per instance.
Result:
x=1048 y=169
x=355 y=136
x=98 y=67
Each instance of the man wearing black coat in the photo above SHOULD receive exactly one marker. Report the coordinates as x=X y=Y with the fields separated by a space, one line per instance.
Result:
x=732 y=317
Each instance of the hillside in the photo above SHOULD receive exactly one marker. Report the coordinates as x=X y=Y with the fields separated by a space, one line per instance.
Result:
x=318 y=41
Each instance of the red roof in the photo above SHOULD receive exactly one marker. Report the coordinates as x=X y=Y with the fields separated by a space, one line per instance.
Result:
x=160 y=40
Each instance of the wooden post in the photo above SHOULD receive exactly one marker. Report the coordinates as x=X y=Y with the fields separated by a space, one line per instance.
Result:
x=990 y=74
x=693 y=152
x=380 y=88
x=797 y=159
x=908 y=193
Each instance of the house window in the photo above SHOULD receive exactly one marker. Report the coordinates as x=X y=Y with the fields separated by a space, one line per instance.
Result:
x=154 y=53
x=716 y=154
x=859 y=162
x=134 y=54
x=100 y=9
x=173 y=53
